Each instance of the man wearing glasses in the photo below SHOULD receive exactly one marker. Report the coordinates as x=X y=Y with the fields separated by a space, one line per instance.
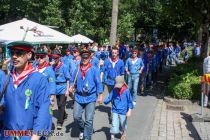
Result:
x=134 y=67
x=26 y=99
x=44 y=67
x=88 y=90
x=112 y=68
x=62 y=77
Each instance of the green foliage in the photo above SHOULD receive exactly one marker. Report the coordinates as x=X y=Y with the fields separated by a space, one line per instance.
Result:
x=185 y=80
x=174 y=19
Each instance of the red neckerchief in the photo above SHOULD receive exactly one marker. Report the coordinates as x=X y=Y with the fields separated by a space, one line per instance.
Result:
x=77 y=58
x=121 y=91
x=18 y=79
x=59 y=65
x=85 y=69
x=46 y=64
x=114 y=59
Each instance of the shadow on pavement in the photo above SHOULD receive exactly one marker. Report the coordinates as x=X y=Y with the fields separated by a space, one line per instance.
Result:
x=105 y=109
x=73 y=127
x=189 y=126
x=106 y=132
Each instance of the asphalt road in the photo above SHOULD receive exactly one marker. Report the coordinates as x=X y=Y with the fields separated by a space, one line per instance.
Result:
x=139 y=124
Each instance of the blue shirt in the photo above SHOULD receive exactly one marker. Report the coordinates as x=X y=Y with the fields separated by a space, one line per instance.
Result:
x=62 y=75
x=197 y=51
x=166 y=52
x=178 y=50
x=95 y=62
x=112 y=72
x=69 y=63
x=67 y=57
x=91 y=85
x=98 y=54
x=50 y=74
x=2 y=80
x=171 y=50
x=122 y=52
x=146 y=63
x=120 y=104
x=154 y=63
x=37 y=116
x=134 y=68
x=104 y=55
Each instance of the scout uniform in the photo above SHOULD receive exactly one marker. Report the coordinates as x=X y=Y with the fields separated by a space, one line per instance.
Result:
x=88 y=87
x=134 y=66
x=47 y=71
x=143 y=76
x=26 y=99
x=68 y=61
x=62 y=75
x=94 y=60
x=121 y=102
x=112 y=69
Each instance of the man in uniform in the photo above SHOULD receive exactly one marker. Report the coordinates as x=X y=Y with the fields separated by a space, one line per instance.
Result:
x=94 y=60
x=26 y=99
x=112 y=68
x=68 y=61
x=134 y=67
x=88 y=90
x=62 y=77
x=44 y=67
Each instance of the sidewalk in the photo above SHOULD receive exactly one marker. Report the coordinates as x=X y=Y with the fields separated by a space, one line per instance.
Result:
x=172 y=125
x=203 y=128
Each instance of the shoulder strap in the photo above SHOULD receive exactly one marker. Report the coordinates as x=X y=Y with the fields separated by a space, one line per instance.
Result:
x=4 y=88
x=75 y=78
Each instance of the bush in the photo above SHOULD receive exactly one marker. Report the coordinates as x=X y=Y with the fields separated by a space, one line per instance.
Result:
x=185 y=80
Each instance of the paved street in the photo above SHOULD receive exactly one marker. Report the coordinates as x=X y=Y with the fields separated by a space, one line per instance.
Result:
x=139 y=125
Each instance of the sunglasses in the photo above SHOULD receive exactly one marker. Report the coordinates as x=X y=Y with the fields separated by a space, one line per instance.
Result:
x=75 y=51
x=17 y=52
x=41 y=57
x=55 y=58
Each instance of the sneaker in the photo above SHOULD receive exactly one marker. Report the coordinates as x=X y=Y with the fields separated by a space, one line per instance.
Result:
x=123 y=137
x=134 y=103
x=112 y=137
x=81 y=135
x=59 y=126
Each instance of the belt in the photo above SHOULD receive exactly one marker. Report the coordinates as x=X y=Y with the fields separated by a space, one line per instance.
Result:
x=110 y=78
x=84 y=94
x=60 y=83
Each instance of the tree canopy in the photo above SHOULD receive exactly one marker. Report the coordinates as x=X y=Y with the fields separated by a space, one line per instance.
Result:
x=173 y=18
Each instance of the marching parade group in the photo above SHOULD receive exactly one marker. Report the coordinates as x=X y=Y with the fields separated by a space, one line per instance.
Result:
x=89 y=74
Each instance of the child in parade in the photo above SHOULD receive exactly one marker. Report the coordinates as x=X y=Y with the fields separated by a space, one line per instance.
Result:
x=121 y=107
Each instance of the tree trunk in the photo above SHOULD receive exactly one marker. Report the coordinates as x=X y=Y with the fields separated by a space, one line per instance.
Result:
x=113 y=33
x=199 y=37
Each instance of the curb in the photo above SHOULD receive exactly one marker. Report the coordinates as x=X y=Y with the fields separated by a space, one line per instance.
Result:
x=173 y=101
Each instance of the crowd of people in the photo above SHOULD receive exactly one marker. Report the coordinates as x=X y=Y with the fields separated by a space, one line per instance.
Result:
x=88 y=74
